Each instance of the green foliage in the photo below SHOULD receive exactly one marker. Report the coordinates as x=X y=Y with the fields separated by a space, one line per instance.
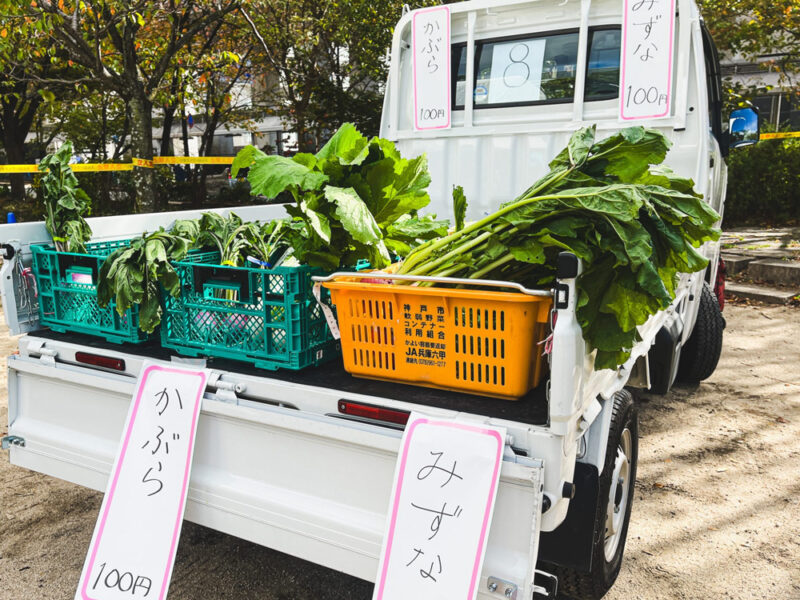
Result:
x=634 y=227
x=234 y=239
x=764 y=184
x=132 y=275
x=755 y=28
x=328 y=61
x=355 y=199
x=65 y=202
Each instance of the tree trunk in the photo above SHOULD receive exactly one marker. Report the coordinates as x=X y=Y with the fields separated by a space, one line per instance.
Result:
x=15 y=152
x=15 y=129
x=166 y=132
x=144 y=178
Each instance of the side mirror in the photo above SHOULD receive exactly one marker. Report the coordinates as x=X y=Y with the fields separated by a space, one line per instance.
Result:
x=743 y=127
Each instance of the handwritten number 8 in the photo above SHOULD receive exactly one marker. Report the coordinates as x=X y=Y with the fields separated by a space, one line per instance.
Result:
x=513 y=72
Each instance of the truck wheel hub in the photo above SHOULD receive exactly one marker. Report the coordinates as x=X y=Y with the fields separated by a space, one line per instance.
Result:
x=618 y=493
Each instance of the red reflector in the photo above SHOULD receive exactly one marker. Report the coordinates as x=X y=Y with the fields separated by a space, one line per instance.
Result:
x=367 y=411
x=100 y=361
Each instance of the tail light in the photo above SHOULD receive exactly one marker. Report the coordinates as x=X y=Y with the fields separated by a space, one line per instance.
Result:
x=374 y=413
x=96 y=360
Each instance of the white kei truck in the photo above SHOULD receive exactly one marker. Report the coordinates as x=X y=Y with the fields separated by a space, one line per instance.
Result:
x=303 y=461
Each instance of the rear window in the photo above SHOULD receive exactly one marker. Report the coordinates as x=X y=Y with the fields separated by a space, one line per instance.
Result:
x=538 y=69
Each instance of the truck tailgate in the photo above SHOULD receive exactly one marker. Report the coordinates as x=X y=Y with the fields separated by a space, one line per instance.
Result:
x=310 y=485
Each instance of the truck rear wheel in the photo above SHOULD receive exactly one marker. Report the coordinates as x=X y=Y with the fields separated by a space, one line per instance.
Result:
x=700 y=354
x=613 y=511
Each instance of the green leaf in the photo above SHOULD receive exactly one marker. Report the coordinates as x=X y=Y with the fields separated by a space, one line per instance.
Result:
x=418 y=228
x=317 y=221
x=354 y=215
x=47 y=95
x=580 y=144
x=531 y=253
x=347 y=145
x=459 y=206
x=628 y=154
x=271 y=175
x=245 y=158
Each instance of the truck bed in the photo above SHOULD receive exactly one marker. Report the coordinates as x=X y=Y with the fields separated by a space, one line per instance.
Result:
x=530 y=409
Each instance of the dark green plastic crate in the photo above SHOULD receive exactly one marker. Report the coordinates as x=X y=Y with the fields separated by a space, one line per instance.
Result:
x=67 y=283
x=268 y=317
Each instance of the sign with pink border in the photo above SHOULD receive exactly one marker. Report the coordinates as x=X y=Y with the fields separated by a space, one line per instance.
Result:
x=431 y=67
x=648 y=31
x=136 y=537
x=441 y=510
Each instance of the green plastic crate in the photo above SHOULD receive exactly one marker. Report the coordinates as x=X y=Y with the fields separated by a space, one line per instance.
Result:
x=67 y=285
x=268 y=317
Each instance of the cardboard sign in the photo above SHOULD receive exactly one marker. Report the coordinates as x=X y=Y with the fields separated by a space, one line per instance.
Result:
x=441 y=509
x=648 y=31
x=431 y=66
x=136 y=536
x=516 y=74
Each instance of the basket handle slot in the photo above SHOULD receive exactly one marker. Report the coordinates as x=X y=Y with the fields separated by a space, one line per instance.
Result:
x=70 y=265
x=209 y=278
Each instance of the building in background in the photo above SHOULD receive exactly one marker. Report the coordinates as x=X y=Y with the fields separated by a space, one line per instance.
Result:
x=780 y=105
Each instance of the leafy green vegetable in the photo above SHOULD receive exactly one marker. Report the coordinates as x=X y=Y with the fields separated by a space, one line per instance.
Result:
x=65 y=202
x=235 y=239
x=357 y=198
x=634 y=227
x=131 y=275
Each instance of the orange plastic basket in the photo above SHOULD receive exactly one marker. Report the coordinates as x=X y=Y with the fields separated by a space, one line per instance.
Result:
x=478 y=342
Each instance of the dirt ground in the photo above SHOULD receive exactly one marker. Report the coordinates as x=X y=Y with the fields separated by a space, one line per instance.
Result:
x=716 y=512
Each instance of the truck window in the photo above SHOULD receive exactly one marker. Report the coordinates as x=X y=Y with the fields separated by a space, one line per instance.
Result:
x=714 y=84
x=538 y=69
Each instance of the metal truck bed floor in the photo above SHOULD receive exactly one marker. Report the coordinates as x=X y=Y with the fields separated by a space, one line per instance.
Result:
x=531 y=408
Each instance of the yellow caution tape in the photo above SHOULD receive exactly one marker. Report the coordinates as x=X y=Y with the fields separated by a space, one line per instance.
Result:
x=193 y=160
x=19 y=168
x=90 y=167
x=143 y=163
x=780 y=135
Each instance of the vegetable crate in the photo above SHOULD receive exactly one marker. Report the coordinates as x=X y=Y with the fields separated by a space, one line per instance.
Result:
x=67 y=283
x=462 y=340
x=268 y=317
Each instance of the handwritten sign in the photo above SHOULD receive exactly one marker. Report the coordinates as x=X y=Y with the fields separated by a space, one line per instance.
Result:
x=648 y=30
x=136 y=536
x=441 y=508
x=516 y=71
x=431 y=65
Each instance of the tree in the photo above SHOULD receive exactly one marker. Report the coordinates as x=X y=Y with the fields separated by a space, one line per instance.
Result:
x=127 y=47
x=23 y=66
x=757 y=29
x=329 y=58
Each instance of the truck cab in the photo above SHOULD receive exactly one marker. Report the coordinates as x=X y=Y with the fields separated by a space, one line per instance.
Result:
x=303 y=461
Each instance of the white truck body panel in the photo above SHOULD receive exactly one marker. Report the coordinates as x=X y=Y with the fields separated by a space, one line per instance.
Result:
x=296 y=480
x=274 y=462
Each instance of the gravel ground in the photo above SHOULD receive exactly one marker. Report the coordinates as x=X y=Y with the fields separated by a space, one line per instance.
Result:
x=716 y=511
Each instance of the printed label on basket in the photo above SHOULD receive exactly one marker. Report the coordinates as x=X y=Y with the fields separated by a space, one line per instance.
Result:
x=136 y=537
x=327 y=311
x=424 y=327
x=441 y=509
